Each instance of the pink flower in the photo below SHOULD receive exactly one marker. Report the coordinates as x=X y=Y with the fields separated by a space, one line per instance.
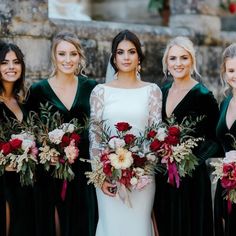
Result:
x=71 y=152
x=142 y=182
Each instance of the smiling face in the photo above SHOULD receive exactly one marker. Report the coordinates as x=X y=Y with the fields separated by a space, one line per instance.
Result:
x=126 y=58
x=10 y=68
x=179 y=62
x=67 y=58
x=230 y=72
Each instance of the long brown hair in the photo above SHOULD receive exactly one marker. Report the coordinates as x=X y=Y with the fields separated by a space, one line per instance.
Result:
x=19 y=90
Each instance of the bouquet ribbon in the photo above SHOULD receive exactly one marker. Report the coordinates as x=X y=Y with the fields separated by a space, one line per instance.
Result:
x=173 y=176
x=63 y=190
x=123 y=194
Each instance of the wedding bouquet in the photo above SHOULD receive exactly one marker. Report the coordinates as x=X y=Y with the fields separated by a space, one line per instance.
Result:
x=172 y=144
x=225 y=170
x=20 y=153
x=60 y=146
x=122 y=161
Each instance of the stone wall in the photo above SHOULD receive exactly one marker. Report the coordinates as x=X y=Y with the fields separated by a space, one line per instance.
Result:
x=26 y=23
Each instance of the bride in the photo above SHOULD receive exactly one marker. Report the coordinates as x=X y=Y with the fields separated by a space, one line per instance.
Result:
x=124 y=99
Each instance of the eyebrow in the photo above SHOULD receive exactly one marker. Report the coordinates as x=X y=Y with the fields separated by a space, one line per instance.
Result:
x=128 y=49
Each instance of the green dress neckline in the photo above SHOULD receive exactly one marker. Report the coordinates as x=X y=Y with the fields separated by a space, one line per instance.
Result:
x=181 y=101
x=58 y=100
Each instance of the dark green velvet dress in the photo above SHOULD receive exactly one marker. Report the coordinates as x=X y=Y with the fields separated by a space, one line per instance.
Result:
x=20 y=199
x=220 y=209
x=187 y=210
x=78 y=212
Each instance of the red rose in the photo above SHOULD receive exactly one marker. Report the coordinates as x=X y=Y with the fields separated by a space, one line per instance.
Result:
x=174 y=131
x=139 y=161
x=76 y=137
x=123 y=126
x=104 y=157
x=107 y=169
x=232 y=7
x=129 y=138
x=65 y=141
x=126 y=177
x=15 y=143
x=172 y=140
x=6 y=148
x=155 y=145
x=151 y=134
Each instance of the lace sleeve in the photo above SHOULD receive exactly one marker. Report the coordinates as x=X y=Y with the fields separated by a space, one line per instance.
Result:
x=96 y=106
x=155 y=105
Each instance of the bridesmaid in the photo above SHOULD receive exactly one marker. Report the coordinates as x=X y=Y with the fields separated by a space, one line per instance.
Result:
x=67 y=90
x=18 y=200
x=187 y=210
x=224 y=221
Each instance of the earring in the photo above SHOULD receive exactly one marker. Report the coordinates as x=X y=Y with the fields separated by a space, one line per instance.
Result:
x=168 y=73
x=77 y=70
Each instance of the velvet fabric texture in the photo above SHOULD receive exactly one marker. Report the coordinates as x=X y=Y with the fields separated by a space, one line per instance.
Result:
x=78 y=212
x=228 y=228
x=187 y=210
x=20 y=198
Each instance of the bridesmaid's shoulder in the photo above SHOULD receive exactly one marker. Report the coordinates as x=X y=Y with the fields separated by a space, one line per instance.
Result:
x=85 y=81
x=38 y=85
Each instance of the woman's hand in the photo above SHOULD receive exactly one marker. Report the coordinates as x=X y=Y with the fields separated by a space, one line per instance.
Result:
x=10 y=168
x=109 y=189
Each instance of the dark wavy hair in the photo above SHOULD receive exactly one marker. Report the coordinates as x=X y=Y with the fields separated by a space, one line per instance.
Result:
x=125 y=35
x=19 y=90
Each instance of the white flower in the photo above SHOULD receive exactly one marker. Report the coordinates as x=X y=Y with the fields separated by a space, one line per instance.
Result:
x=116 y=143
x=134 y=149
x=67 y=127
x=133 y=181
x=56 y=135
x=139 y=171
x=27 y=144
x=151 y=157
x=230 y=157
x=22 y=136
x=161 y=134
x=122 y=159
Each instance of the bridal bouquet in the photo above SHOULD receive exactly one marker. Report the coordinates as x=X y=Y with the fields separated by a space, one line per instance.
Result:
x=20 y=153
x=172 y=144
x=225 y=170
x=122 y=160
x=60 y=146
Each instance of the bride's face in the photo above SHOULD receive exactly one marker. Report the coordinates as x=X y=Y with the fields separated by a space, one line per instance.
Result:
x=126 y=58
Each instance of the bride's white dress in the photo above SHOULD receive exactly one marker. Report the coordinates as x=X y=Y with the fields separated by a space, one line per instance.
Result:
x=139 y=107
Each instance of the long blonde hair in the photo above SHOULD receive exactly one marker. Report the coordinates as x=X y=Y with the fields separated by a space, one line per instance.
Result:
x=184 y=43
x=73 y=39
x=229 y=53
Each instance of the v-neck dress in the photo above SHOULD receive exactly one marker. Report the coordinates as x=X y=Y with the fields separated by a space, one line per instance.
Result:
x=220 y=209
x=20 y=199
x=77 y=213
x=187 y=210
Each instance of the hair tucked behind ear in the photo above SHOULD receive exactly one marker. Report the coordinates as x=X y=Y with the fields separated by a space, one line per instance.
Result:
x=184 y=43
x=70 y=38
x=19 y=89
